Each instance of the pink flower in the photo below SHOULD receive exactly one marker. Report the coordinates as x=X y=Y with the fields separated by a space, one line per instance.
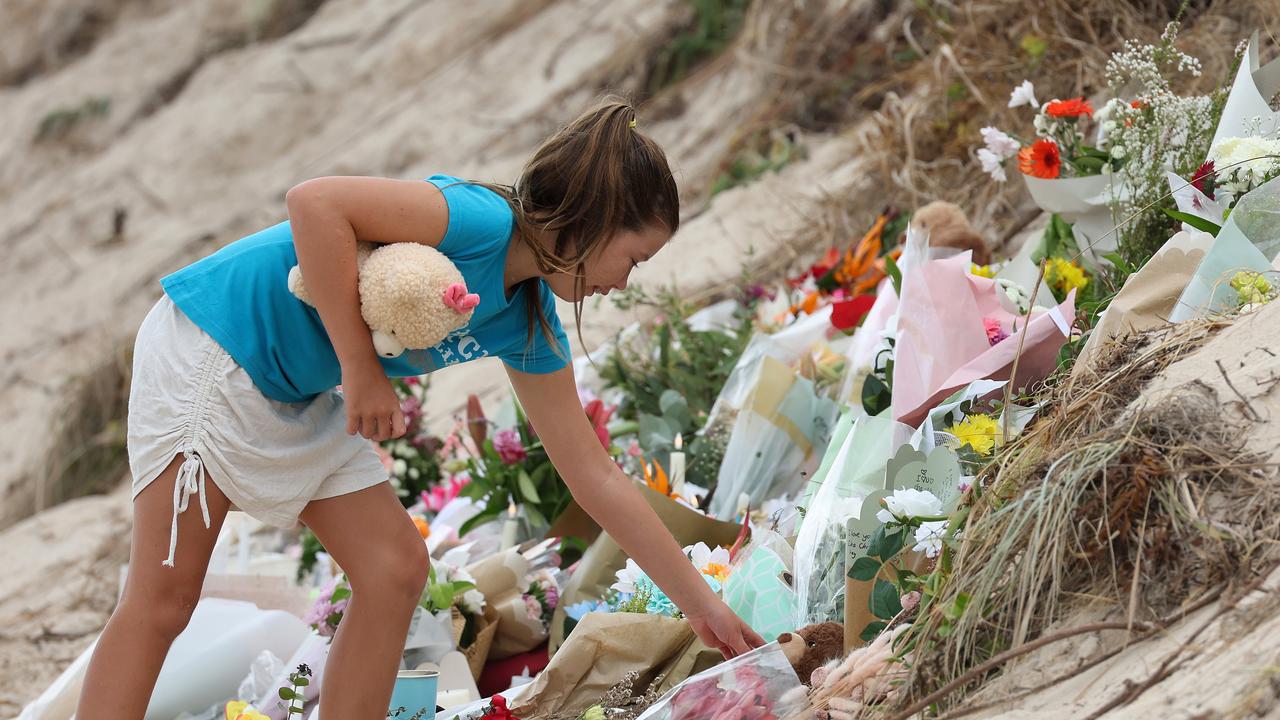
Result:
x=437 y=497
x=507 y=443
x=532 y=607
x=599 y=413
x=995 y=333
x=634 y=450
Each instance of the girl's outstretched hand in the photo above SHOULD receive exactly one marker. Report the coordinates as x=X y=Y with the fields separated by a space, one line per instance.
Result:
x=722 y=629
x=373 y=408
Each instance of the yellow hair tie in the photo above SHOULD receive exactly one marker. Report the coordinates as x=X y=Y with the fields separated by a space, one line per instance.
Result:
x=633 y=122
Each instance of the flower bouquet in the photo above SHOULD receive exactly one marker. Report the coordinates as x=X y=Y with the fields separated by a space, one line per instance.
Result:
x=507 y=468
x=759 y=685
x=1062 y=173
x=524 y=592
x=1250 y=240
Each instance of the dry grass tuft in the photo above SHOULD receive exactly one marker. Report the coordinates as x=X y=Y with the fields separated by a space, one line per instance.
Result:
x=1138 y=506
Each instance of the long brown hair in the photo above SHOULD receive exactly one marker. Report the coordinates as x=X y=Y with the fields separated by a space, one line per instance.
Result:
x=595 y=177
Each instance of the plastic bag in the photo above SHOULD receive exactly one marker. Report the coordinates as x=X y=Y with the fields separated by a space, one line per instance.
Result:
x=264 y=670
x=776 y=417
x=856 y=469
x=756 y=590
x=760 y=684
x=1249 y=240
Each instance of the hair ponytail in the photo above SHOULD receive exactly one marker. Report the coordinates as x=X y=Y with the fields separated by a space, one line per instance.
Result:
x=596 y=176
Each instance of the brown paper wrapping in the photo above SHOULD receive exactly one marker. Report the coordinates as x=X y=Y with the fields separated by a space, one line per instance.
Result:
x=599 y=566
x=602 y=649
x=857 y=596
x=501 y=578
x=1148 y=296
x=477 y=653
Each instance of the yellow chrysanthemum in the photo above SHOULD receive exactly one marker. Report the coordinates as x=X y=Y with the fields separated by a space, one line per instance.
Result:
x=977 y=431
x=1252 y=287
x=985 y=271
x=1064 y=275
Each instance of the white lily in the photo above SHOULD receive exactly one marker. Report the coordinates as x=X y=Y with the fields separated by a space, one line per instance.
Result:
x=708 y=561
x=627 y=578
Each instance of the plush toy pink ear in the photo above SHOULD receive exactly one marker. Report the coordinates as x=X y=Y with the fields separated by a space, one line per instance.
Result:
x=457 y=297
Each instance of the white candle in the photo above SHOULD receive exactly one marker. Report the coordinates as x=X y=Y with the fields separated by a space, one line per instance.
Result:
x=509 y=528
x=677 y=468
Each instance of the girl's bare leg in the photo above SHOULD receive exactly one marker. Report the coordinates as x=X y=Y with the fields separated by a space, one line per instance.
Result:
x=372 y=538
x=157 y=601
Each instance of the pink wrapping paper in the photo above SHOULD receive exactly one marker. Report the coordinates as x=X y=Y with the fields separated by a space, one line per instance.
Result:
x=942 y=344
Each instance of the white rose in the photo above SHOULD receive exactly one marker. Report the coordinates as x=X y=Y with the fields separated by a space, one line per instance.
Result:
x=907 y=503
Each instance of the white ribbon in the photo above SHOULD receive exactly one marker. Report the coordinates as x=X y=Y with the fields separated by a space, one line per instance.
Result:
x=190 y=480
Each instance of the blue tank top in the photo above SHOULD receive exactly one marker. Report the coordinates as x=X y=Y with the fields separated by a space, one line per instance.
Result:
x=239 y=295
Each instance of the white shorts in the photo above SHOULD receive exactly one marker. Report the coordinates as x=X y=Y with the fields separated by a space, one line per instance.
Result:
x=189 y=397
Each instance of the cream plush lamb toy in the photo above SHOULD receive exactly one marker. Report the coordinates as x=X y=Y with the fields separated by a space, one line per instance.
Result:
x=411 y=295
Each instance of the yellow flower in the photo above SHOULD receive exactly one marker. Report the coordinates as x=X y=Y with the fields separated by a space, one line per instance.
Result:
x=985 y=271
x=595 y=712
x=1252 y=287
x=717 y=571
x=1064 y=275
x=977 y=431
x=240 y=710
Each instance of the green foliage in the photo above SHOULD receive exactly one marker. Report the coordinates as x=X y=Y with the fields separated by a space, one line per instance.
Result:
x=311 y=547
x=750 y=163
x=293 y=696
x=532 y=483
x=1194 y=221
x=639 y=600
x=714 y=24
x=57 y=124
x=877 y=387
x=670 y=379
x=440 y=596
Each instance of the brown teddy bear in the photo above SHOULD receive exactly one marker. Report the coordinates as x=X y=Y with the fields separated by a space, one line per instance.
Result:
x=948 y=227
x=810 y=647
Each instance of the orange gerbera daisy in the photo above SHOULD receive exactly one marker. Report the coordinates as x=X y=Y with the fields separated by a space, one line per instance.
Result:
x=1040 y=159
x=1069 y=108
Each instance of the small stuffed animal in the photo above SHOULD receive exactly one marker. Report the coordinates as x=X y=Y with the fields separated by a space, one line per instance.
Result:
x=411 y=295
x=948 y=227
x=810 y=647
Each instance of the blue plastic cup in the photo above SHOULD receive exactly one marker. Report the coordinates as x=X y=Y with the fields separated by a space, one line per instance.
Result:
x=415 y=692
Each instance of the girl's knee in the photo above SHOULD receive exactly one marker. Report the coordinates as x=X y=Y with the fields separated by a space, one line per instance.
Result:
x=399 y=574
x=165 y=615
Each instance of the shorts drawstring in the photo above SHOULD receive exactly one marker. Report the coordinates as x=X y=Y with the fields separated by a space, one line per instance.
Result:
x=190 y=480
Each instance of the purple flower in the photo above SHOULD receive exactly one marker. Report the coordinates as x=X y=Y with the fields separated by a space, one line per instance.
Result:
x=553 y=596
x=324 y=608
x=510 y=449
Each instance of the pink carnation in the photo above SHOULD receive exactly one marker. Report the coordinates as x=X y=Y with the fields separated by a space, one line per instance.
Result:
x=995 y=333
x=510 y=449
